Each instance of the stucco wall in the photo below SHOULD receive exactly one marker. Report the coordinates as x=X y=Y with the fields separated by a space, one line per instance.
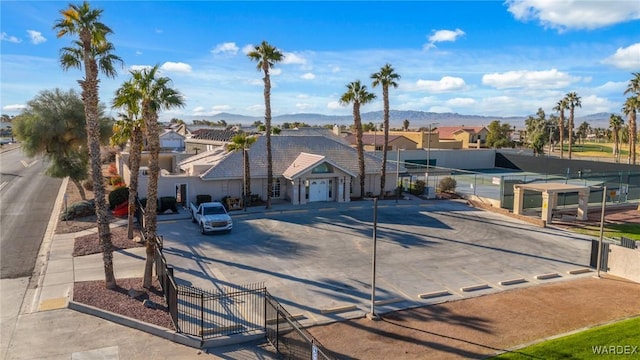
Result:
x=624 y=262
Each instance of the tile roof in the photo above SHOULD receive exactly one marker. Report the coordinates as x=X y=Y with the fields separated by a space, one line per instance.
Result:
x=285 y=151
x=369 y=139
x=306 y=161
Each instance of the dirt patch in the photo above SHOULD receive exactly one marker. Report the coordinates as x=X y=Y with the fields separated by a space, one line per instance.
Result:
x=479 y=327
x=90 y=244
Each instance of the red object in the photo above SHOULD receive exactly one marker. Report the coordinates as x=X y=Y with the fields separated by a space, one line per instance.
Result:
x=122 y=209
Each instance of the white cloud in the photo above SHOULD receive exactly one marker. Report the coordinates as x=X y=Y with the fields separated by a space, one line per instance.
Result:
x=308 y=76
x=625 y=58
x=256 y=107
x=461 y=102
x=216 y=109
x=138 y=52
x=335 y=69
x=563 y=15
x=36 y=37
x=9 y=38
x=304 y=106
x=176 y=67
x=226 y=48
x=545 y=79
x=333 y=105
x=275 y=71
x=302 y=96
x=247 y=49
x=14 y=108
x=292 y=58
x=221 y=108
x=139 y=67
x=445 y=84
x=256 y=82
x=439 y=109
x=443 y=35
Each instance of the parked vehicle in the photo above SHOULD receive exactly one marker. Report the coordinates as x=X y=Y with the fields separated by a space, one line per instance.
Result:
x=211 y=217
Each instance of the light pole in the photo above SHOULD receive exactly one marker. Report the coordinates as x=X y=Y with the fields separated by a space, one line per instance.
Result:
x=397 y=174
x=429 y=146
x=604 y=202
x=372 y=315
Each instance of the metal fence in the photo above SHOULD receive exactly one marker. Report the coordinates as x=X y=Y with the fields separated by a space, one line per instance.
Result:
x=289 y=338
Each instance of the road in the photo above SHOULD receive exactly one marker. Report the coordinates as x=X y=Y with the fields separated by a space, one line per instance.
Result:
x=27 y=197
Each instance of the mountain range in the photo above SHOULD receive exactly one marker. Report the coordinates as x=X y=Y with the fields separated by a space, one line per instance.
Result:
x=396 y=118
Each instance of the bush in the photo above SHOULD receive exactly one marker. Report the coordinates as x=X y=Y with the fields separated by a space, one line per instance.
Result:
x=448 y=184
x=418 y=188
x=168 y=203
x=112 y=169
x=118 y=196
x=202 y=199
x=116 y=181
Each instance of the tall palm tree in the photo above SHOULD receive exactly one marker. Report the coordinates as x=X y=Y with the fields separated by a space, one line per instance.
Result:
x=385 y=77
x=92 y=52
x=154 y=94
x=266 y=57
x=129 y=128
x=358 y=95
x=615 y=123
x=634 y=89
x=561 y=106
x=630 y=108
x=573 y=101
x=242 y=142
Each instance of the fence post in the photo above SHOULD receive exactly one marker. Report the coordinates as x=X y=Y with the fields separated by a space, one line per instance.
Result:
x=202 y=316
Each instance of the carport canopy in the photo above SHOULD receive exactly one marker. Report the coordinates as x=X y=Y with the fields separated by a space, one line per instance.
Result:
x=550 y=193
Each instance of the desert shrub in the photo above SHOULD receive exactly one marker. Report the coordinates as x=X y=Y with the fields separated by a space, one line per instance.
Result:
x=79 y=210
x=202 y=199
x=168 y=203
x=118 y=196
x=418 y=187
x=448 y=184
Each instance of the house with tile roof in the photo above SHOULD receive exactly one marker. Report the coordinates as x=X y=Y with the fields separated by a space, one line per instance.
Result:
x=470 y=136
x=305 y=169
x=375 y=142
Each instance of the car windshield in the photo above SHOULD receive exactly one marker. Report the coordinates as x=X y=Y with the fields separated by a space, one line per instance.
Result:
x=213 y=210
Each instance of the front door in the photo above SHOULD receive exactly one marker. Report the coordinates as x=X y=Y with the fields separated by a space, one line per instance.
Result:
x=181 y=194
x=319 y=190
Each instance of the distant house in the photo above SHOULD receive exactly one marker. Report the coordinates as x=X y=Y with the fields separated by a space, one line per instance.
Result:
x=305 y=169
x=424 y=139
x=375 y=142
x=171 y=140
x=470 y=136
x=202 y=140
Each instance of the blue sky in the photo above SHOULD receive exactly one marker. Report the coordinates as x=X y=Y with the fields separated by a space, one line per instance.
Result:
x=487 y=58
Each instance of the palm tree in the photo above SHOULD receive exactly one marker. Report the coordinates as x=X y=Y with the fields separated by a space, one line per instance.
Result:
x=615 y=123
x=633 y=88
x=267 y=56
x=561 y=106
x=242 y=142
x=154 y=95
x=385 y=77
x=630 y=109
x=92 y=52
x=573 y=100
x=358 y=95
x=129 y=127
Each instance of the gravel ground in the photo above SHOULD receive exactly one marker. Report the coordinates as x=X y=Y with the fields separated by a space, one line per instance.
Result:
x=90 y=244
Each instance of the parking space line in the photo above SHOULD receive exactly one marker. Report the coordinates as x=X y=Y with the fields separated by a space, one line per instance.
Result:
x=579 y=271
x=339 y=309
x=434 y=294
x=389 y=301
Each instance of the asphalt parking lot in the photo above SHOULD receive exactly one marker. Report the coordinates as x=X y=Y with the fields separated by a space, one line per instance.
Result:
x=318 y=261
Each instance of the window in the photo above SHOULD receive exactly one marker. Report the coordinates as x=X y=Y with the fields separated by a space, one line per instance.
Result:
x=275 y=191
x=321 y=169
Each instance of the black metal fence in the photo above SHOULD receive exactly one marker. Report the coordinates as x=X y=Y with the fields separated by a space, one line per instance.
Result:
x=286 y=334
x=228 y=311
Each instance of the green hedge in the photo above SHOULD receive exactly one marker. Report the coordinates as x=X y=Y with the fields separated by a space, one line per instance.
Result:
x=118 y=196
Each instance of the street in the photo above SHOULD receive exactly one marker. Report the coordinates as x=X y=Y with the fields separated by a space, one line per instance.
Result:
x=26 y=197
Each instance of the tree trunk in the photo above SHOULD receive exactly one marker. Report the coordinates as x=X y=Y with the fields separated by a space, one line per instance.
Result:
x=90 y=98
x=151 y=211
x=78 y=185
x=134 y=167
x=267 y=126
x=561 y=129
x=247 y=177
x=357 y=122
x=633 y=138
x=570 y=131
x=385 y=146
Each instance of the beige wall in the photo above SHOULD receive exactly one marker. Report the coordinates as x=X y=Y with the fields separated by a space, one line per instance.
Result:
x=624 y=262
x=422 y=139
